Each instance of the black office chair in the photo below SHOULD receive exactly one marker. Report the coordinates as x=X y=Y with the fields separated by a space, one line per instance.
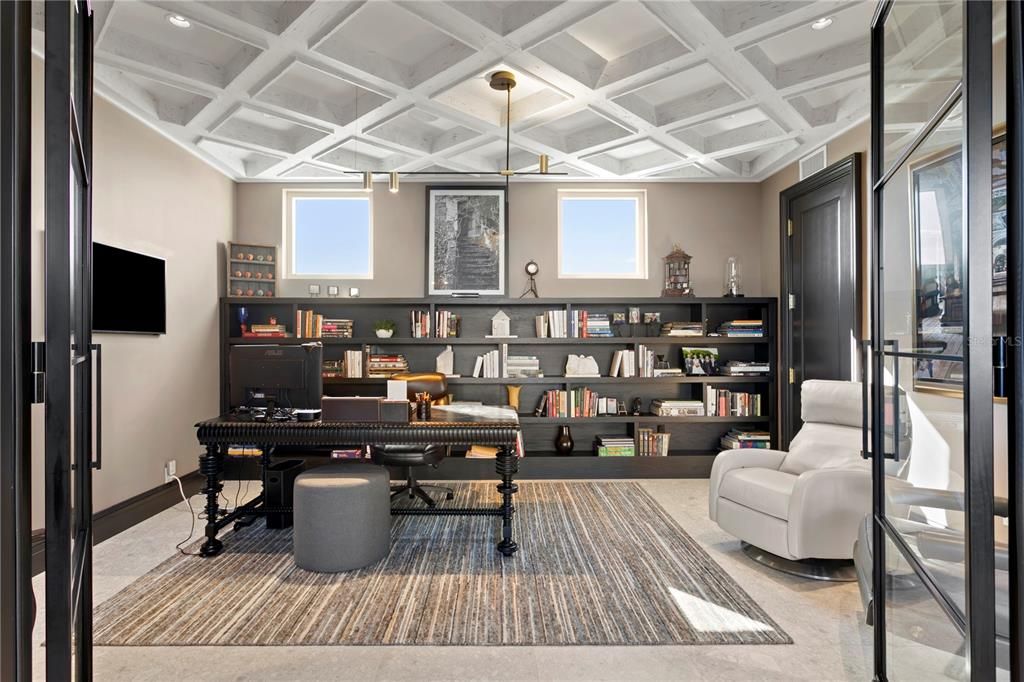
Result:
x=409 y=456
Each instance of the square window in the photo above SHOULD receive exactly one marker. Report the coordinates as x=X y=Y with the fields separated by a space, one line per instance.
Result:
x=329 y=234
x=602 y=234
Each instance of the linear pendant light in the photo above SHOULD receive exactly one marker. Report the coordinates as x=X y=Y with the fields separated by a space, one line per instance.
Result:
x=499 y=80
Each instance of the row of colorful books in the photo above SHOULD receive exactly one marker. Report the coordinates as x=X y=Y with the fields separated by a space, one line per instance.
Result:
x=577 y=402
x=651 y=443
x=721 y=402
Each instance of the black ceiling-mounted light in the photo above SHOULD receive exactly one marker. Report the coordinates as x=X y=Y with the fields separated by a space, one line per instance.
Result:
x=502 y=81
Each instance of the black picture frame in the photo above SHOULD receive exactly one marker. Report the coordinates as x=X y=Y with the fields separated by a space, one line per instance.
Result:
x=431 y=288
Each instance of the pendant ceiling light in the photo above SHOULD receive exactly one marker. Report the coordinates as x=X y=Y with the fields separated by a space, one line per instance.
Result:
x=499 y=80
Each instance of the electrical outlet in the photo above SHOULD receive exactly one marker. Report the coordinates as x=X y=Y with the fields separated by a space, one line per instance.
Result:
x=170 y=469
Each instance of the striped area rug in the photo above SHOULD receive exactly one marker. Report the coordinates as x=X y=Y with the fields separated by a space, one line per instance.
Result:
x=601 y=563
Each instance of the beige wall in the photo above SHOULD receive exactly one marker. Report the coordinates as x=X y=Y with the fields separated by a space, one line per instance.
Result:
x=711 y=221
x=151 y=196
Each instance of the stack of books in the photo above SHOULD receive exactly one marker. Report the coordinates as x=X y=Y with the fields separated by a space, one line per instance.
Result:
x=265 y=331
x=520 y=366
x=737 y=368
x=481 y=452
x=578 y=402
x=333 y=369
x=677 y=408
x=308 y=325
x=614 y=446
x=419 y=323
x=742 y=328
x=352 y=367
x=651 y=443
x=244 y=451
x=682 y=329
x=333 y=328
x=487 y=365
x=551 y=324
x=380 y=366
x=349 y=453
x=720 y=402
x=739 y=438
x=623 y=364
x=447 y=325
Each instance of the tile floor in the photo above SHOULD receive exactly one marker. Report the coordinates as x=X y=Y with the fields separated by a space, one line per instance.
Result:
x=825 y=621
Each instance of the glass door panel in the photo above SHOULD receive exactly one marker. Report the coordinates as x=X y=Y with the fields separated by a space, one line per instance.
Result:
x=923 y=60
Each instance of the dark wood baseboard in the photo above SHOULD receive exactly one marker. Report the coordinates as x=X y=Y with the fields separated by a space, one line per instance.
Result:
x=123 y=515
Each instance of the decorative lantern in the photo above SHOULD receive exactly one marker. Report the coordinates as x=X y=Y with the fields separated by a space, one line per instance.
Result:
x=677 y=273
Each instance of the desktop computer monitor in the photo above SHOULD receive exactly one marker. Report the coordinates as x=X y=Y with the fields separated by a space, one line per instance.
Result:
x=285 y=376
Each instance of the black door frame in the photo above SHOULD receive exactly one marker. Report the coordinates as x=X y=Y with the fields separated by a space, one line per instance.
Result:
x=848 y=168
x=68 y=89
x=974 y=89
x=1015 y=323
x=16 y=598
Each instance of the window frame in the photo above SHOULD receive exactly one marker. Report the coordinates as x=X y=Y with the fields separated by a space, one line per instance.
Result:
x=289 y=197
x=640 y=238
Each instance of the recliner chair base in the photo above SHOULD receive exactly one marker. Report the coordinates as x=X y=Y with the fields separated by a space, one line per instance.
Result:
x=830 y=570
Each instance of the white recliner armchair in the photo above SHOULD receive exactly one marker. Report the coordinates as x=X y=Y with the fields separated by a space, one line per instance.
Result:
x=807 y=503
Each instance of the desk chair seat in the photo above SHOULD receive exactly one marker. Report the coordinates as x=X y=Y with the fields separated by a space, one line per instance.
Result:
x=409 y=456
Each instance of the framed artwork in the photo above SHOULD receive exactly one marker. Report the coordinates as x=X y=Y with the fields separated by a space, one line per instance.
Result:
x=467 y=241
x=936 y=208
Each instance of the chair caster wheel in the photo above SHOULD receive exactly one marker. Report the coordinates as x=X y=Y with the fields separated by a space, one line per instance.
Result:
x=449 y=496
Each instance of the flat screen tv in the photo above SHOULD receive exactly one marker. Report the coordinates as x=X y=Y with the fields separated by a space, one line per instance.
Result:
x=129 y=292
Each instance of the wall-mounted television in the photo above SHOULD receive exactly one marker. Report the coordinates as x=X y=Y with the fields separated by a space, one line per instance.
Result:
x=129 y=291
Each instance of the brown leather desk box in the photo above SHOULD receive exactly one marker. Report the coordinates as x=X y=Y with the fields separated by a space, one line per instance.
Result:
x=350 y=409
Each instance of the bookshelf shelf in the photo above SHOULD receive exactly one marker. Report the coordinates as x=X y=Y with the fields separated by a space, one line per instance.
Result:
x=480 y=341
x=693 y=442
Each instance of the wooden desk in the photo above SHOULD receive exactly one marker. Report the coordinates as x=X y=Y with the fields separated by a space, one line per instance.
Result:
x=217 y=434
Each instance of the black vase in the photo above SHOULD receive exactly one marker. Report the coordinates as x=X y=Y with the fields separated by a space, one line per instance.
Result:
x=564 y=442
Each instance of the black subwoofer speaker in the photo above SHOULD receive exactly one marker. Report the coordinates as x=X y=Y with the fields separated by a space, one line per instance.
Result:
x=278 y=494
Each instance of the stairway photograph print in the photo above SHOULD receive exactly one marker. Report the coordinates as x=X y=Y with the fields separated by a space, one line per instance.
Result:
x=466 y=241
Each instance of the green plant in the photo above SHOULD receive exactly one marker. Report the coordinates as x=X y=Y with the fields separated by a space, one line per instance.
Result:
x=384 y=325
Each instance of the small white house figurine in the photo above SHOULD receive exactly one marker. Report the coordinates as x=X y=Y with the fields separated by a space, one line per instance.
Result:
x=446 y=362
x=500 y=327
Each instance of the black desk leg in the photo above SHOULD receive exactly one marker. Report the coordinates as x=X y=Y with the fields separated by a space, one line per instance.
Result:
x=210 y=465
x=507 y=465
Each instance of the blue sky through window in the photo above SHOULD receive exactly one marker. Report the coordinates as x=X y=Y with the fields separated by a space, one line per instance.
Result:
x=332 y=236
x=599 y=236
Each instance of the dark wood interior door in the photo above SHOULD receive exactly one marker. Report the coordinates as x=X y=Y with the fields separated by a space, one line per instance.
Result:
x=820 y=298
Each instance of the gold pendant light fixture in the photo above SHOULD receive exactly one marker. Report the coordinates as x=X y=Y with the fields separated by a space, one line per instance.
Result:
x=502 y=81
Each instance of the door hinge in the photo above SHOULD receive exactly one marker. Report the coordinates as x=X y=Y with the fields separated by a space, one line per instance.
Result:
x=792 y=301
x=792 y=375
x=38 y=361
x=789 y=227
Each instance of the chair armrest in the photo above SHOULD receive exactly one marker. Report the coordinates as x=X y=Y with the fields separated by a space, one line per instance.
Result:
x=826 y=509
x=945 y=546
x=740 y=458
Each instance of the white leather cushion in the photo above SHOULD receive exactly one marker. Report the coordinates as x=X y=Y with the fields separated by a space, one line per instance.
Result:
x=763 y=490
x=832 y=402
x=760 y=530
x=819 y=446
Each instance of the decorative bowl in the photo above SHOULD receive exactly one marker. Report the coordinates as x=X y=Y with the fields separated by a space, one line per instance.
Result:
x=385 y=333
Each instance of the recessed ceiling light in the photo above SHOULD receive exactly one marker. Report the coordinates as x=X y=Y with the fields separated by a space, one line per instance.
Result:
x=822 y=23
x=178 y=21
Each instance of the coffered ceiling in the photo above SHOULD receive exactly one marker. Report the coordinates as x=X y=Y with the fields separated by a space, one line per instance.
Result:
x=662 y=90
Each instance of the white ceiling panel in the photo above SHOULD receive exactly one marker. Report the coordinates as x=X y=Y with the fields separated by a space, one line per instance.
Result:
x=666 y=90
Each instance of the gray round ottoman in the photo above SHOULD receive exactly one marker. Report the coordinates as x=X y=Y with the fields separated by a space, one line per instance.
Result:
x=342 y=517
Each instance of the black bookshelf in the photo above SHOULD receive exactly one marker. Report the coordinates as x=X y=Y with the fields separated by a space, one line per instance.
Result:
x=694 y=441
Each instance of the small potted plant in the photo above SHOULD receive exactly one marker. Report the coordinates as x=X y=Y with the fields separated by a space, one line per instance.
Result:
x=385 y=329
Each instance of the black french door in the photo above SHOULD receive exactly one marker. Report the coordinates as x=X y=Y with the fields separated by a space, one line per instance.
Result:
x=72 y=450
x=16 y=602
x=946 y=298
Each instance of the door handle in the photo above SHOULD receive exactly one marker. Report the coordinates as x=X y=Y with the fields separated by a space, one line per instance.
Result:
x=97 y=463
